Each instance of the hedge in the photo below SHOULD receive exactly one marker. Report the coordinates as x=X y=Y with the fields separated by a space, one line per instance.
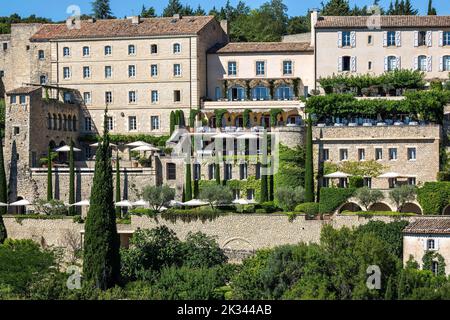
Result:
x=311 y=209
x=332 y=198
x=434 y=197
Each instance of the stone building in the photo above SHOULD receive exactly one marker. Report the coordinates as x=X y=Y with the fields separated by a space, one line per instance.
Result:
x=428 y=235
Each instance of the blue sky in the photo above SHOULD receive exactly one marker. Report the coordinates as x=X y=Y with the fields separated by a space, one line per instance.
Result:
x=56 y=9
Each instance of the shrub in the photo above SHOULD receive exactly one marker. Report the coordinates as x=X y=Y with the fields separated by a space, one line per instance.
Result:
x=51 y=208
x=311 y=209
x=269 y=207
x=368 y=196
x=288 y=198
x=216 y=195
x=200 y=250
x=332 y=198
x=158 y=196
x=403 y=194
x=434 y=197
x=356 y=182
x=247 y=208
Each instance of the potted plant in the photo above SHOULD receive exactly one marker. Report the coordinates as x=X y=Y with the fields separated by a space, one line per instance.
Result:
x=44 y=160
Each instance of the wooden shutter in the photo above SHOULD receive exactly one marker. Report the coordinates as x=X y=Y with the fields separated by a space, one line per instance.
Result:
x=429 y=63
x=353 y=64
x=340 y=39
x=399 y=62
x=441 y=64
x=384 y=38
x=340 y=64
x=416 y=63
x=416 y=38
x=398 y=38
x=353 y=39
x=429 y=38
x=441 y=38
x=385 y=63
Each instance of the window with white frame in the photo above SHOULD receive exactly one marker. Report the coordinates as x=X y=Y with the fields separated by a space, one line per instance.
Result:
x=422 y=38
x=41 y=54
x=228 y=174
x=131 y=49
x=176 y=48
x=287 y=67
x=66 y=51
x=431 y=244
x=435 y=267
x=177 y=70
x=131 y=71
x=446 y=38
x=132 y=123
x=260 y=68
x=325 y=154
x=378 y=154
x=87 y=97
x=412 y=181
x=412 y=154
x=108 y=50
x=23 y=99
x=86 y=51
x=392 y=154
x=176 y=96
x=108 y=97
x=66 y=73
x=153 y=49
x=86 y=72
x=243 y=171
x=361 y=154
x=154 y=70
x=155 y=96
x=13 y=99
x=446 y=63
x=343 y=154
x=391 y=39
x=346 y=39
x=232 y=68
x=131 y=96
x=346 y=63
x=422 y=63
x=88 y=124
x=391 y=63
x=367 y=182
x=110 y=123
x=43 y=80
x=108 y=72
x=154 y=122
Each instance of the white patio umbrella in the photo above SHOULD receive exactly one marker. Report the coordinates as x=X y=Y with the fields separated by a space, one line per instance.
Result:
x=20 y=203
x=223 y=136
x=3 y=204
x=141 y=203
x=139 y=144
x=247 y=136
x=195 y=203
x=95 y=145
x=66 y=149
x=84 y=203
x=145 y=148
x=241 y=202
x=337 y=174
x=124 y=204
x=175 y=203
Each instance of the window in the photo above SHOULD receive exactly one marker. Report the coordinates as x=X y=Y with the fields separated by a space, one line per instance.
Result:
x=391 y=63
x=86 y=72
x=260 y=93
x=228 y=174
x=16 y=131
x=446 y=38
x=177 y=70
x=236 y=93
x=369 y=39
x=422 y=38
x=412 y=154
x=446 y=63
x=88 y=124
x=41 y=54
x=43 y=80
x=369 y=65
x=283 y=93
x=232 y=68
x=243 y=171
x=66 y=51
x=435 y=267
x=367 y=182
x=411 y=181
x=155 y=96
x=287 y=67
x=87 y=98
x=171 y=171
x=176 y=95
x=211 y=171
x=131 y=49
x=154 y=70
x=197 y=171
x=13 y=99
x=218 y=93
x=23 y=99
x=392 y=154
x=422 y=63
x=154 y=122
x=325 y=154
x=131 y=96
x=346 y=39
x=153 y=49
x=5 y=46
x=391 y=38
x=108 y=72
x=132 y=71
x=176 y=48
x=343 y=154
x=108 y=50
x=132 y=123
x=378 y=154
x=86 y=51
x=431 y=245
x=361 y=154
x=346 y=63
x=108 y=97
x=236 y=194
x=68 y=97
x=109 y=123
x=250 y=194
x=66 y=73
x=260 y=68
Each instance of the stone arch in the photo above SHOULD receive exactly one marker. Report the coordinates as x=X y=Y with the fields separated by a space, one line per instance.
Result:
x=446 y=211
x=69 y=122
x=60 y=122
x=380 y=206
x=350 y=206
x=74 y=123
x=64 y=123
x=238 y=241
x=52 y=144
x=411 y=207
x=55 y=122
x=49 y=121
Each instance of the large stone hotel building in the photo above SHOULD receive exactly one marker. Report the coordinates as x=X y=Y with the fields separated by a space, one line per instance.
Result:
x=58 y=79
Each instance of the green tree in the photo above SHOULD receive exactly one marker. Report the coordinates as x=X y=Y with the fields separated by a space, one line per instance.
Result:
x=158 y=196
x=264 y=187
x=118 y=187
x=202 y=251
x=336 y=8
x=72 y=210
x=49 y=175
x=403 y=194
x=217 y=173
x=431 y=10
x=101 y=263
x=172 y=122
x=196 y=189
x=299 y=24
x=309 y=166
x=199 y=11
x=188 y=182
x=3 y=194
x=288 y=198
x=101 y=9
x=148 y=12
x=367 y=196
x=173 y=7
x=216 y=195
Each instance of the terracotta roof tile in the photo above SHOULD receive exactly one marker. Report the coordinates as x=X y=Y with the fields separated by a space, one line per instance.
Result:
x=325 y=22
x=429 y=226
x=22 y=90
x=124 y=28
x=250 y=47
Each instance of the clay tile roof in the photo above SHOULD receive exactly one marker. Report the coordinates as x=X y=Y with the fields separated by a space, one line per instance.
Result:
x=250 y=47
x=325 y=22
x=23 y=90
x=124 y=28
x=429 y=226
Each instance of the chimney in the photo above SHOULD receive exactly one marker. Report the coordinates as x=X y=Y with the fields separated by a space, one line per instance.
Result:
x=314 y=18
x=224 y=26
x=92 y=20
x=177 y=16
x=135 y=19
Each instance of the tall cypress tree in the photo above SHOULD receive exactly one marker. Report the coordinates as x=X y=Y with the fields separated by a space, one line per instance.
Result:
x=172 y=122
x=3 y=194
x=101 y=263
x=309 y=166
x=49 y=175
x=188 y=184
x=431 y=10
x=196 y=191
x=72 y=210
x=217 y=172
x=101 y=9
x=118 y=191
x=271 y=188
x=264 y=188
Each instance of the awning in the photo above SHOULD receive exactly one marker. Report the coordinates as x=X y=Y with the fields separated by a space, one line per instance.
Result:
x=141 y=203
x=145 y=148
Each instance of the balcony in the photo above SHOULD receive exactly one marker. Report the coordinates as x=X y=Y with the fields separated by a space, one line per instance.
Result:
x=256 y=105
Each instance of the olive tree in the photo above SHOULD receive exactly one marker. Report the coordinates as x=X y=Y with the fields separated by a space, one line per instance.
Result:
x=158 y=196
x=216 y=195
x=288 y=198
x=367 y=196
x=403 y=194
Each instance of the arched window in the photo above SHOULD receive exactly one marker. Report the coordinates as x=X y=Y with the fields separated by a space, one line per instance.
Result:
x=446 y=63
x=49 y=122
x=422 y=63
x=176 y=48
x=74 y=123
x=236 y=93
x=391 y=63
x=261 y=93
x=60 y=122
x=108 y=50
x=55 y=122
x=283 y=93
x=69 y=123
x=65 y=123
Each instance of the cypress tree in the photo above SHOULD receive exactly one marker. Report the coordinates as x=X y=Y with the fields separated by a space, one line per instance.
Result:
x=271 y=188
x=181 y=119
x=217 y=173
x=389 y=293
x=196 y=189
x=101 y=263
x=188 y=184
x=172 y=122
x=3 y=194
x=49 y=176
x=72 y=210
x=309 y=166
x=264 y=188
x=118 y=193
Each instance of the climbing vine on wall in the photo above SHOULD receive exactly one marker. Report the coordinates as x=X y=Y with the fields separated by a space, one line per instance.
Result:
x=428 y=259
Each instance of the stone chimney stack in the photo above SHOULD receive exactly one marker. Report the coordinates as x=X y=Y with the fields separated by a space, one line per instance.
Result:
x=314 y=18
x=225 y=27
x=135 y=19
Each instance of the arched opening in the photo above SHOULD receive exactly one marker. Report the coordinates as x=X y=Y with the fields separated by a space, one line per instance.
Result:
x=62 y=156
x=52 y=144
x=49 y=121
x=69 y=123
x=20 y=209
x=236 y=93
x=265 y=121
x=411 y=208
x=446 y=211
x=283 y=93
x=60 y=122
x=379 y=206
x=212 y=122
x=239 y=122
x=350 y=206
x=74 y=124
